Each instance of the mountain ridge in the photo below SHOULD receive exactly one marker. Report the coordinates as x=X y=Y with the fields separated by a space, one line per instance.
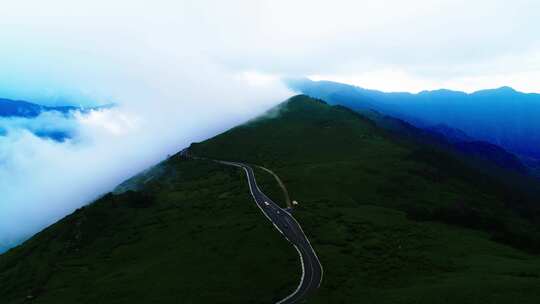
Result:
x=390 y=218
x=503 y=116
x=21 y=108
x=296 y=82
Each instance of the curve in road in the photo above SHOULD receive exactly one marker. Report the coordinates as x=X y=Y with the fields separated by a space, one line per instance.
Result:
x=288 y=226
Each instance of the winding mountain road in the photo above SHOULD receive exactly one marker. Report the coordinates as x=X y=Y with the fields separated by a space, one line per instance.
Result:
x=286 y=224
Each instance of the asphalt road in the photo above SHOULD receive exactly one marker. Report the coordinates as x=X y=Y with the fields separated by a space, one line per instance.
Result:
x=284 y=222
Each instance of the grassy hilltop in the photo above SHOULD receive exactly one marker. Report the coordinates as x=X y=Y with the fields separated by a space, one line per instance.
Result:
x=392 y=221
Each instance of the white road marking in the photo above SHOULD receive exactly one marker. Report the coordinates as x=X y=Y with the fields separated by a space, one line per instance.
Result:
x=277 y=228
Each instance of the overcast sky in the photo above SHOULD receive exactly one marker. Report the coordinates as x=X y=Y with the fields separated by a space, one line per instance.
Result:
x=65 y=48
x=68 y=48
x=182 y=71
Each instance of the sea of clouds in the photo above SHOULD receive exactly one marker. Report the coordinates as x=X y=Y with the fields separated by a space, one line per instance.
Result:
x=42 y=180
x=168 y=93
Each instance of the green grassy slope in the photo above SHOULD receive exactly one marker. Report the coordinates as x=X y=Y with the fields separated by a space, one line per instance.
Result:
x=360 y=189
x=392 y=222
x=192 y=236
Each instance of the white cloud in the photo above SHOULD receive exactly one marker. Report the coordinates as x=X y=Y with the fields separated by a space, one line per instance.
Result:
x=441 y=41
x=169 y=93
x=51 y=121
x=42 y=180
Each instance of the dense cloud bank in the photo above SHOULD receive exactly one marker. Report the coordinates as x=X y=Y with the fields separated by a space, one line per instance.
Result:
x=42 y=179
x=168 y=92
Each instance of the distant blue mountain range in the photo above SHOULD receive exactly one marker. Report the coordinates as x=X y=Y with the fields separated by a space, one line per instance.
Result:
x=19 y=108
x=23 y=109
x=503 y=117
